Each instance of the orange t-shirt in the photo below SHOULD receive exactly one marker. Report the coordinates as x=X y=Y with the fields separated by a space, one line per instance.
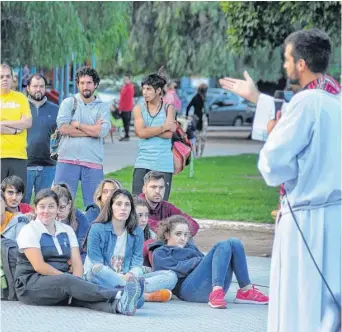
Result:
x=8 y=217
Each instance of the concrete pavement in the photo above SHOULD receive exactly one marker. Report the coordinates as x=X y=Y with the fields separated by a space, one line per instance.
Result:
x=175 y=315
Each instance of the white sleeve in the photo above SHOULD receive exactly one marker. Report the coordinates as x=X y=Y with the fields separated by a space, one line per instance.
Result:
x=28 y=238
x=72 y=237
x=293 y=132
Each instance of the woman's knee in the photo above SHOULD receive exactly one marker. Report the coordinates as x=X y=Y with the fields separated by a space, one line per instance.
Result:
x=235 y=243
x=171 y=278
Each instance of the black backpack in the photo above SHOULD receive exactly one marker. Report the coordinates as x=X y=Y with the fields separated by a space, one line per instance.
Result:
x=9 y=254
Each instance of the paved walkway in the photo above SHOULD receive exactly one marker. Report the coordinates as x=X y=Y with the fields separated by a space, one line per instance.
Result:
x=173 y=316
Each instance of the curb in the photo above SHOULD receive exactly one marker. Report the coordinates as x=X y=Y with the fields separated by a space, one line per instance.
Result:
x=235 y=225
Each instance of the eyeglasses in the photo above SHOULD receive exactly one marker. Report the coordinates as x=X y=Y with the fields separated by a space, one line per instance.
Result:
x=62 y=208
x=12 y=193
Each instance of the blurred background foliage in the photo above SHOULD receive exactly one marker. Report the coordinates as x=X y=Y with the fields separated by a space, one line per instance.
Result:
x=188 y=38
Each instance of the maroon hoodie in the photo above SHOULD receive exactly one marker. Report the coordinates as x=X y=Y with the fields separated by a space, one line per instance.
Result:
x=164 y=210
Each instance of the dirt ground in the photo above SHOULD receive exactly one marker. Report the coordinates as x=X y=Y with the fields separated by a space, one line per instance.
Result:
x=255 y=243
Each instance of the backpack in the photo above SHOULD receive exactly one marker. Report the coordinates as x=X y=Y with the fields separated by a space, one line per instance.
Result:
x=9 y=253
x=181 y=148
x=55 y=138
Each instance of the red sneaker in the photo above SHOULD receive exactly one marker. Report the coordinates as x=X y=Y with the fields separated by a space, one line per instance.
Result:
x=216 y=299
x=252 y=295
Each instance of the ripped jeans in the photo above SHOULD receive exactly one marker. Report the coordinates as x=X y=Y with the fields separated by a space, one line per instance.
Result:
x=106 y=277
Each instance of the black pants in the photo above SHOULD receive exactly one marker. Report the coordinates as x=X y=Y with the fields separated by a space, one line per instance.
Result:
x=36 y=289
x=13 y=166
x=138 y=182
x=126 y=119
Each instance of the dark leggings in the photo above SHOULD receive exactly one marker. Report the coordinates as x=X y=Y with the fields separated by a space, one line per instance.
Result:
x=37 y=289
x=12 y=166
x=138 y=182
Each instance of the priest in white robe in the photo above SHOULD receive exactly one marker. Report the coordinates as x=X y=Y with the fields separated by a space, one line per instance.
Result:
x=303 y=151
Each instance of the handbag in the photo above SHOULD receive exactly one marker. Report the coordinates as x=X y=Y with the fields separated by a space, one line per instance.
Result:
x=55 y=138
x=181 y=148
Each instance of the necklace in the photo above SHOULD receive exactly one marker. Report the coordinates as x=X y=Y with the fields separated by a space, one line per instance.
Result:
x=159 y=107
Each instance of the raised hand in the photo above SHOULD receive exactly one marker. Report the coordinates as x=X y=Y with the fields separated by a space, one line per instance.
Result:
x=244 y=88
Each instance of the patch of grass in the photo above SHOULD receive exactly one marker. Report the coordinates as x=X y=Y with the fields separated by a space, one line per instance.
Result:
x=223 y=188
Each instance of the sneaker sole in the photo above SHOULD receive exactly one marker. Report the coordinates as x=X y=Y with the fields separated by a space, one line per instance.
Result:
x=222 y=306
x=249 y=302
x=159 y=300
x=131 y=296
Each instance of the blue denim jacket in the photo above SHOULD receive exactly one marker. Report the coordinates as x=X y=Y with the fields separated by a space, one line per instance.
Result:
x=101 y=244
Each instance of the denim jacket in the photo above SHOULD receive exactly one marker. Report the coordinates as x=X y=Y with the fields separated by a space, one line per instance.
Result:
x=101 y=243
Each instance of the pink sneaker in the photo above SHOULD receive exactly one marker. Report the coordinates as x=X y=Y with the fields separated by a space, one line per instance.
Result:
x=252 y=295
x=216 y=299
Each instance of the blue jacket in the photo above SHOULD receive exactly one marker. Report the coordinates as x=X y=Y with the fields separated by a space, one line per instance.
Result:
x=14 y=227
x=101 y=243
x=38 y=136
x=82 y=231
x=92 y=212
x=180 y=260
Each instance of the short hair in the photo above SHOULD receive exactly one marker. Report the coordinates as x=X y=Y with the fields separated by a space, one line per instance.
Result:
x=5 y=65
x=13 y=181
x=141 y=202
x=89 y=71
x=37 y=77
x=153 y=175
x=98 y=192
x=313 y=46
x=45 y=193
x=155 y=80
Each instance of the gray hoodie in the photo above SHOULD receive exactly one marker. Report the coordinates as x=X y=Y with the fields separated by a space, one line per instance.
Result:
x=86 y=149
x=14 y=226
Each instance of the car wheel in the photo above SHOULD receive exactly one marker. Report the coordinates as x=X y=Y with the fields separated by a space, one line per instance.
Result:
x=238 y=122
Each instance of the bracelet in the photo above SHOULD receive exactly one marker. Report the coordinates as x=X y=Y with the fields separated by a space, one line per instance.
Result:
x=15 y=131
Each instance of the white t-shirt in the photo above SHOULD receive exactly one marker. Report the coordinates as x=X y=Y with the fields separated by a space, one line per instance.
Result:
x=118 y=256
x=31 y=234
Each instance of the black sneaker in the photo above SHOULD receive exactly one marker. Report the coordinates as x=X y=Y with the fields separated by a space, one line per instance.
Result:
x=128 y=303
x=123 y=139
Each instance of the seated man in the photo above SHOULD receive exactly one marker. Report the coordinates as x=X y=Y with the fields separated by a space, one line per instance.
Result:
x=13 y=188
x=153 y=193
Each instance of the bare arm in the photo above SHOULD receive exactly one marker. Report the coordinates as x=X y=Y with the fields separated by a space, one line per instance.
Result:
x=171 y=115
x=24 y=123
x=139 y=126
x=69 y=130
x=8 y=131
x=76 y=262
x=35 y=257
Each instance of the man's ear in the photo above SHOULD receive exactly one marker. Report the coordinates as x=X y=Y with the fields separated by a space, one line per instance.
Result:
x=301 y=65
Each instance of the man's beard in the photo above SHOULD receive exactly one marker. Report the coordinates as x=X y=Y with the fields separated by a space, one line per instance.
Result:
x=87 y=93
x=36 y=98
x=294 y=80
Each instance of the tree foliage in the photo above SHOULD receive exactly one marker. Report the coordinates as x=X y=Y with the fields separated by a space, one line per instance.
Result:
x=265 y=23
x=44 y=34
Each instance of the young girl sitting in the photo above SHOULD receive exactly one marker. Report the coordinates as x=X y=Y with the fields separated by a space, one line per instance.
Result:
x=45 y=247
x=166 y=279
x=70 y=215
x=103 y=191
x=203 y=278
x=115 y=246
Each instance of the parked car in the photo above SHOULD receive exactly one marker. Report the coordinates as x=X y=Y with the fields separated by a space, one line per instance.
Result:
x=229 y=109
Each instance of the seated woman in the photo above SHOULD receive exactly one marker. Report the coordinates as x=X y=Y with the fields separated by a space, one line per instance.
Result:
x=70 y=215
x=203 y=278
x=165 y=279
x=11 y=223
x=45 y=247
x=115 y=246
x=103 y=191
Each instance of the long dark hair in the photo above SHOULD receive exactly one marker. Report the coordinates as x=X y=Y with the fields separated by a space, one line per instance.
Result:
x=141 y=202
x=106 y=214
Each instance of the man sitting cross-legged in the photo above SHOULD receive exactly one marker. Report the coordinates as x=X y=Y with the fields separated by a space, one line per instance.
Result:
x=153 y=193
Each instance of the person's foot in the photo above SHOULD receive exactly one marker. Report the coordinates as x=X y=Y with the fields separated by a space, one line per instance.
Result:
x=162 y=295
x=141 y=299
x=216 y=299
x=123 y=139
x=128 y=302
x=252 y=295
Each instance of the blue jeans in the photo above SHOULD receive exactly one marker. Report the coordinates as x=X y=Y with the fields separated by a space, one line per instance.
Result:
x=38 y=178
x=108 y=278
x=216 y=269
x=70 y=174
